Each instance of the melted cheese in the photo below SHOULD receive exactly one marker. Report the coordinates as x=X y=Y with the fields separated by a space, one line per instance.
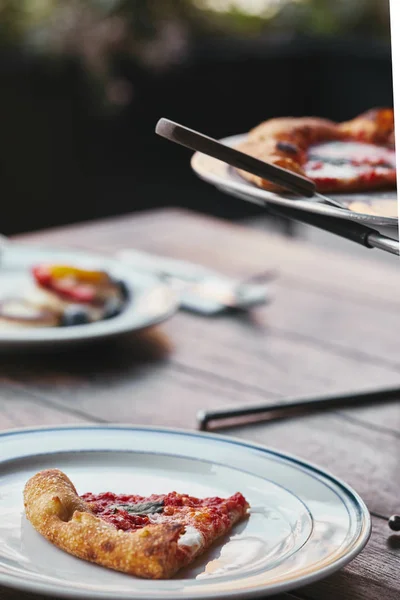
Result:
x=353 y=151
x=192 y=538
x=345 y=161
x=344 y=172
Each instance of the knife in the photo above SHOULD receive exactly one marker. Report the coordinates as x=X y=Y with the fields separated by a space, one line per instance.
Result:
x=356 y=232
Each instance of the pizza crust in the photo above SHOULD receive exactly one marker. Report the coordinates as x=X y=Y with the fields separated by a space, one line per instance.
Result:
x=55 y=510
x=375 y=126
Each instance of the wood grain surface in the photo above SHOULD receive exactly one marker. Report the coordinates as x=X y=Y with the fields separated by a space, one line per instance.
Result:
x=332 y=326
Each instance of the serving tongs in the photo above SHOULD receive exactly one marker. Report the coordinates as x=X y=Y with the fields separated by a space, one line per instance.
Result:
x=297 y=184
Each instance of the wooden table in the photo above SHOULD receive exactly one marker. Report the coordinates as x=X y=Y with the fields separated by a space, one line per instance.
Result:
x=334 y=326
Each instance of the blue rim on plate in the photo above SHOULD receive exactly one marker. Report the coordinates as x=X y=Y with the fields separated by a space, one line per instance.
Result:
x=318 y=522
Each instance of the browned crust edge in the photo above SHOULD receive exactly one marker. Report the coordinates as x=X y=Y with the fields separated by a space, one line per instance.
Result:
x=55 y=510
x=284 y=142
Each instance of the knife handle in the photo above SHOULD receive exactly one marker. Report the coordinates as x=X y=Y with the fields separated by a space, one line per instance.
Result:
x=350 y=230
x=201 y=143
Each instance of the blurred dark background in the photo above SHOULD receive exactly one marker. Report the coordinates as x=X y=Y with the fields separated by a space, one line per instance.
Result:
x=83 y=83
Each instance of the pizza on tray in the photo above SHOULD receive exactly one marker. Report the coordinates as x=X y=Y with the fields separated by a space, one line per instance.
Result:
x=355 y=156
x=151 y=537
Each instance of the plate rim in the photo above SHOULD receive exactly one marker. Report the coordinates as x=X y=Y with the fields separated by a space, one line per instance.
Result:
x=261 y=197
x=10 y=342
x=340 y=562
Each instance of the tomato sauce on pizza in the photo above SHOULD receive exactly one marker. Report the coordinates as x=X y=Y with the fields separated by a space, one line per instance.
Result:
x=203 y=518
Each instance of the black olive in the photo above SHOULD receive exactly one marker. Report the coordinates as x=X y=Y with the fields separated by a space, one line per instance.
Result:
x=394 y=523
x=75 y=315
x=123 y=288
x=287 y=147
x=112 y=308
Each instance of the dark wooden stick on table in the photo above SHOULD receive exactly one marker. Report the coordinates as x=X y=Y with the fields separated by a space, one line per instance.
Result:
x=287 y=407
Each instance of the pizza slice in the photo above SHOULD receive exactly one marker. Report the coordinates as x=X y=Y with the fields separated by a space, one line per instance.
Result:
x=354 y=156
x=150 y=537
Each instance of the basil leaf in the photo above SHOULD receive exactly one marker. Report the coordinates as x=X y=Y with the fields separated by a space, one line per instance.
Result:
x=142 y=508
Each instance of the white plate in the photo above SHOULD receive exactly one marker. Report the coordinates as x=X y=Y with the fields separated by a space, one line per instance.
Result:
x=375 y=208
x=150 y=302
x=304 y=523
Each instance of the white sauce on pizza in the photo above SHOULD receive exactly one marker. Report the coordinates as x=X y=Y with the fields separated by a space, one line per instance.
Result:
x=343 y=172
x=345 y=161
x=357 y=151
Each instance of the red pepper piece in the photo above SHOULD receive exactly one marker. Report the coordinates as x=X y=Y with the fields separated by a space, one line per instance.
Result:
x=42 y=274
x=66 y=287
